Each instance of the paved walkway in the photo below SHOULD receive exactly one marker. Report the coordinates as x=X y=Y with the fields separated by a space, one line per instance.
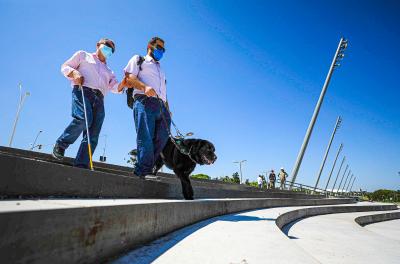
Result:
x=253 y=237
x=337 y=238
x=389 y=229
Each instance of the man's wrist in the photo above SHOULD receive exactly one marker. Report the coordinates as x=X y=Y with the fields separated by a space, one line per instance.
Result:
x=76 y=74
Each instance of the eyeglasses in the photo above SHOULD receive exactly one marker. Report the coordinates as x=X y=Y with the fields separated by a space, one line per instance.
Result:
x=157 y=46
x=108 y=44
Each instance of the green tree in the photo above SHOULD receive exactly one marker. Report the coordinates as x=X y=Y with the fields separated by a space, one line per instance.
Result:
x=200 y=176
x=235 y=177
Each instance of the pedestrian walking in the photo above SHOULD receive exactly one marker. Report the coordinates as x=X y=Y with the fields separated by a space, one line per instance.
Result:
x=87 y=71
x=282 y=178
x=260 y=181
x=272 y=179
x=150 y=107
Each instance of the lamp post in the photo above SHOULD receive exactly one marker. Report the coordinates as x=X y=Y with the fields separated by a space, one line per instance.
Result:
x=34 y=142
x=240 y=167
x=337 y=175
x=348 y=185
x=351 y=188
x=337 y=125
x=339 y=55
x=103 y=157
x=344 y=184
x=334 y=164
x=20 y=105
x=340 y=185
x=344 y=173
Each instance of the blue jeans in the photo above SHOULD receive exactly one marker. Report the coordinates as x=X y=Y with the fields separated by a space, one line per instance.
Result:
x=152 y=132
x=95 y=115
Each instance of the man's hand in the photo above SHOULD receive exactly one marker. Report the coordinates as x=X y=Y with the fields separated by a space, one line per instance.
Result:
x=122 y=85
x=149 y=91
x=77 y=78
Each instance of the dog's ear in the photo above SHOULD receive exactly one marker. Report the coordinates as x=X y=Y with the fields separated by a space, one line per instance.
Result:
x=197 y=146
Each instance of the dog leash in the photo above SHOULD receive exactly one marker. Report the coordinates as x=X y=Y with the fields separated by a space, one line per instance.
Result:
x=178 y=143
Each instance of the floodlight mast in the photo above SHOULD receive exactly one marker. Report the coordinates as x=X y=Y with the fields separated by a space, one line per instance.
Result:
x=339 y=55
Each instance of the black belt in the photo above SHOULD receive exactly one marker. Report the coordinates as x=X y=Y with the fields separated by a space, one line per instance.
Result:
x=90 y=90
x=138 y=96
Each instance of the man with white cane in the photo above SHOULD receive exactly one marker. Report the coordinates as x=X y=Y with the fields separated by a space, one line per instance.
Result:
x=91 y=79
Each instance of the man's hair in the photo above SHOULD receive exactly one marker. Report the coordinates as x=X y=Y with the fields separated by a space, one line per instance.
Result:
x=153 y=40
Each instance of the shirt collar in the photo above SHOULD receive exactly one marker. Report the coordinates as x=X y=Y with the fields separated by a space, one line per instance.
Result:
x=97 y=58
x=148 y=58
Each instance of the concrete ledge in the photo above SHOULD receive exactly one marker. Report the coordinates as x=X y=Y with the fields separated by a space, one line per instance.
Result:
x=165 y=178
x=294 y=215
x=32 y=177
x=90 y=231
x=375 y=218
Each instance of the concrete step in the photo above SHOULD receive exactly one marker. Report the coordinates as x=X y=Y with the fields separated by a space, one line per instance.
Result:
x=33 y=174
x=295 y=215
x=90 y=231
x=376 y=218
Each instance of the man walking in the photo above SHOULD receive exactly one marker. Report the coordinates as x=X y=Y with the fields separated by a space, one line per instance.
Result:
x=272 y=179
x=260 y=181
x=282 y=177
x=90 y=71
x=150 y=107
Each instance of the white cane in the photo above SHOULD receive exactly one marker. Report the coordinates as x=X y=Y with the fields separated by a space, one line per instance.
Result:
x=87 y=129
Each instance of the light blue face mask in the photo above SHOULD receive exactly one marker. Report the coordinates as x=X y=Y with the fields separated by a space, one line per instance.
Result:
x=106 y=51
x=157 y=54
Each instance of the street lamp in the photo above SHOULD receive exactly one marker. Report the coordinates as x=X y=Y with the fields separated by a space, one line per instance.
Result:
x=20 y=104
x=333 y=167
x=103 y=157
x=339 y=55
x=337 y=175
x=240 y=166
x=34 y=142
x=337 y=125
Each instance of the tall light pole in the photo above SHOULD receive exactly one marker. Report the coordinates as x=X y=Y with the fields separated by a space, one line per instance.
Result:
x=240 y=166
x=335 y=63
x=344 y=173
x=348 y=185
x=340 y=185
x=337 y=175
x=20 y=104
x=337 y=125
x=103 y=158
x=344 y=184
x=334 y=164
x=34 y=142
x=351 y=188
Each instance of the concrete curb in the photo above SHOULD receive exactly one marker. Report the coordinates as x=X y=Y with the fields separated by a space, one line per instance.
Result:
x=376 y=218
x=165 y=177
x=91 y=234
x=294 y=215
x=28 y=177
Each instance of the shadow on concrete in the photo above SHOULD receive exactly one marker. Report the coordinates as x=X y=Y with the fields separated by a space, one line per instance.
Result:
x=287 y=227
x=241 y=218
x=150 y=252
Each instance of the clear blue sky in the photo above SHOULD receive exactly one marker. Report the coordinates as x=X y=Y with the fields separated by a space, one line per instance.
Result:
x=245 y=75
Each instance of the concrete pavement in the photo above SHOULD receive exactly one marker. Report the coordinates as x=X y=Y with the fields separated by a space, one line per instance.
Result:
x=250 y=237
x=389 y=229
x=338 y=239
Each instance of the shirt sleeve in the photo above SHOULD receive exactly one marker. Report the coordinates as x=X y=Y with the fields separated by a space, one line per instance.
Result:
x=72 y=64
x=132 y=66
x=113 y=84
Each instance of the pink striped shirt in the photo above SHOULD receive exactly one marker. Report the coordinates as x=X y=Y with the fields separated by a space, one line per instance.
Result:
x=97 y=75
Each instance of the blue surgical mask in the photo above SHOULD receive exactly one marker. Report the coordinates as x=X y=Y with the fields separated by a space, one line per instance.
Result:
x=157 y=54
x=106 y=51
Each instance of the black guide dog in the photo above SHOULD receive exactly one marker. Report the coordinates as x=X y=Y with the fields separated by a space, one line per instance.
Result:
x=198 y=151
